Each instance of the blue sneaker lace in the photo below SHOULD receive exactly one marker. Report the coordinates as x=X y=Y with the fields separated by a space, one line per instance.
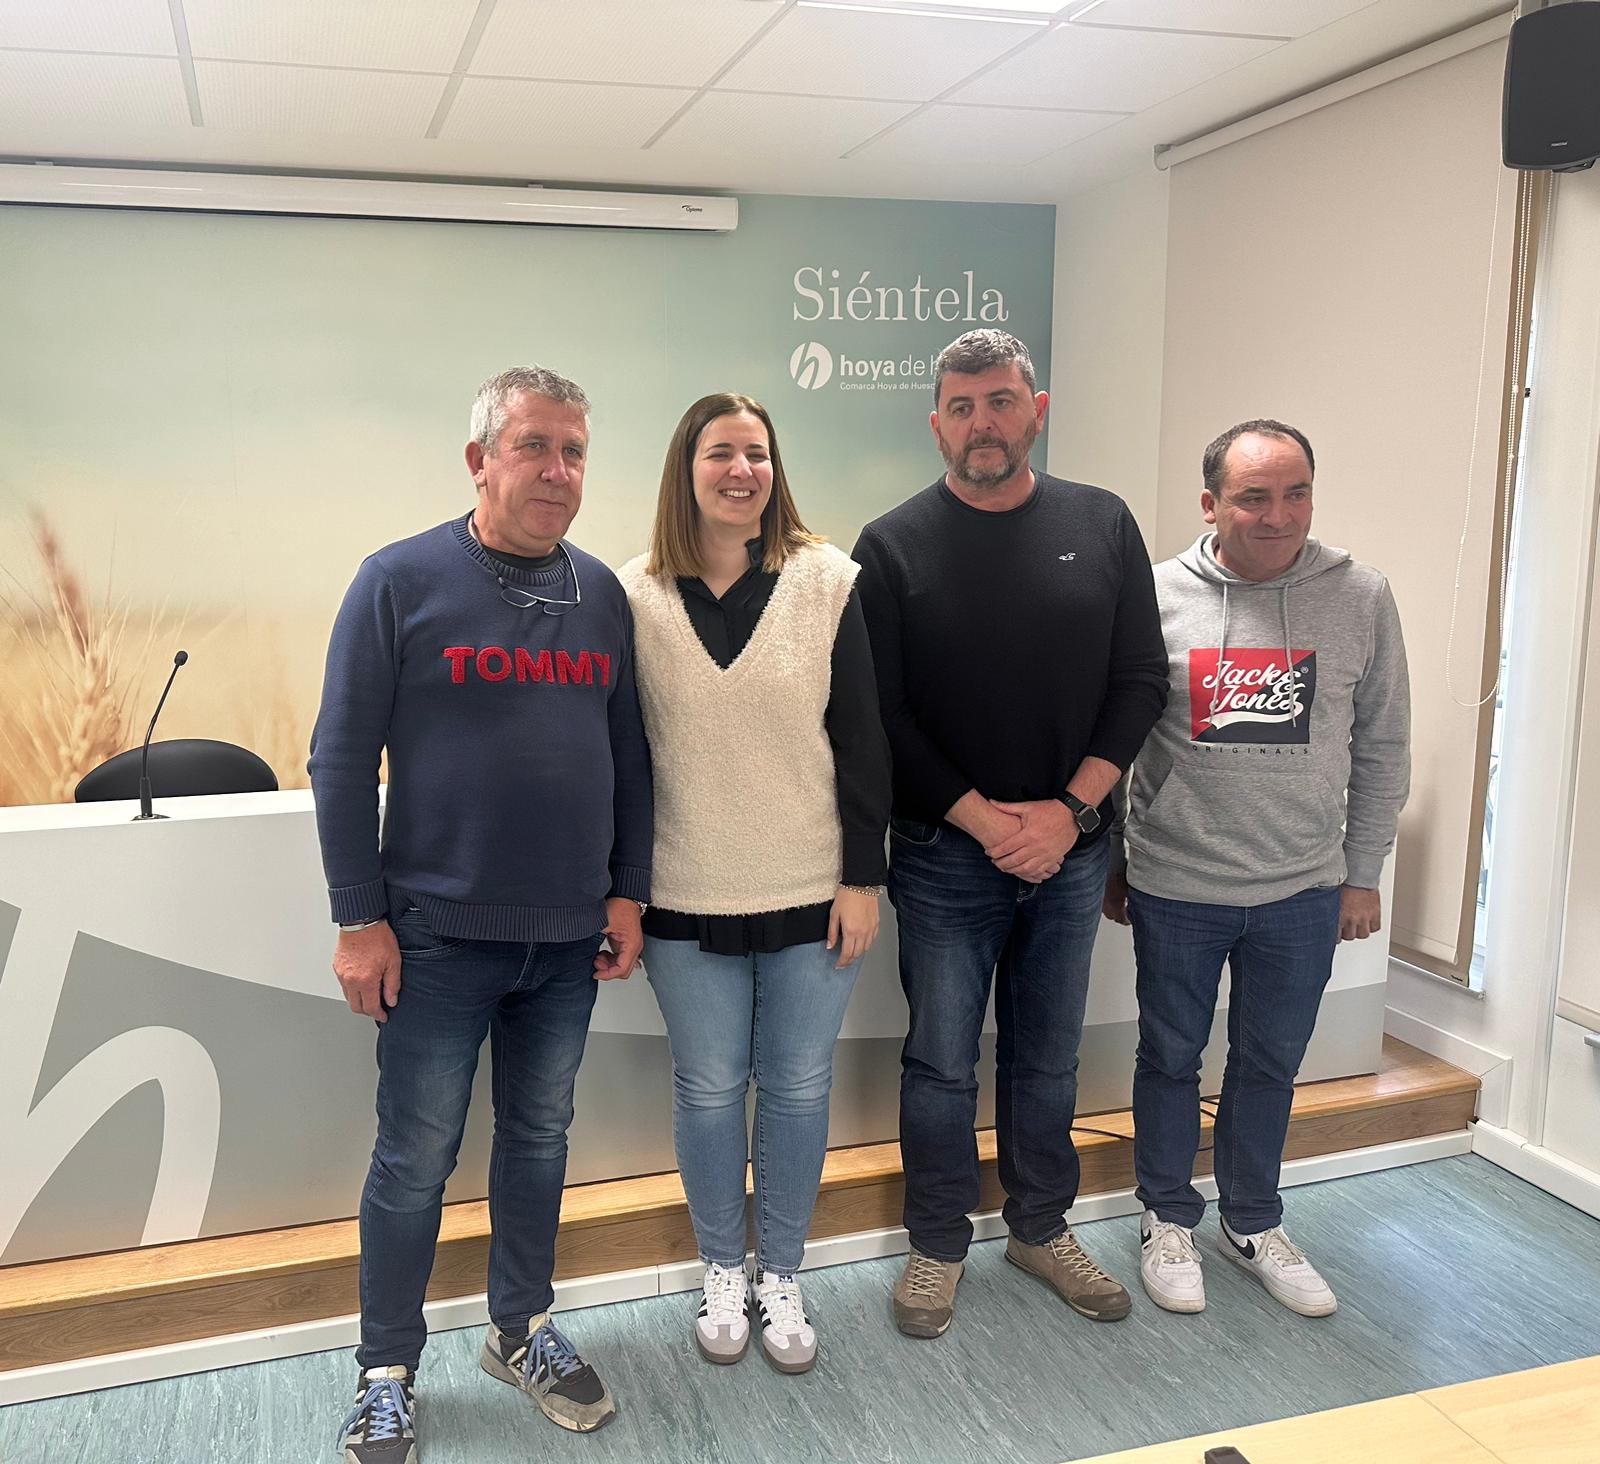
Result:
x=388 y=1416
x=560 y=1355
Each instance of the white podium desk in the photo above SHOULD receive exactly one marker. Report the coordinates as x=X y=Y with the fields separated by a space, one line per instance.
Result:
x=176 y=1060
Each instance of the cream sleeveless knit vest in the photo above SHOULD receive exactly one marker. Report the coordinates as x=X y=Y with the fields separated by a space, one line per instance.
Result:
x=747 y=811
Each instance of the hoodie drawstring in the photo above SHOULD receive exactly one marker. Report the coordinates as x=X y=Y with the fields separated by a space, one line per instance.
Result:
x=1288 y=655
x=1222 y=656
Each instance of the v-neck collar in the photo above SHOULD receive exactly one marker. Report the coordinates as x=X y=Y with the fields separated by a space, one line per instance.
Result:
x=758 y=637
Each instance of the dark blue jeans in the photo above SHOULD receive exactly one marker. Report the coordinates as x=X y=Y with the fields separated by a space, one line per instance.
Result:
x=1280 y=956
x=533 y=1003
x=963 y=922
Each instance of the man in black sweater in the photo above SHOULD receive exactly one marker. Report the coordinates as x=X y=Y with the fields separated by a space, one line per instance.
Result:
x=1020 y=665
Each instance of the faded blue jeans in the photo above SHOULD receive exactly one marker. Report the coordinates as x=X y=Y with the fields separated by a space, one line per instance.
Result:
x=1280 y=956
x=962 y=923
x=772 y=1017
x=533 y=1003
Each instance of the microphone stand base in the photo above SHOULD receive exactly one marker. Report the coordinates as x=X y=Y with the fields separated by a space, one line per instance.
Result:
x=141 y=817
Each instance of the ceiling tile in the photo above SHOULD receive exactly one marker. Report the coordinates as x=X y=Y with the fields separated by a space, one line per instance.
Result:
x=89 y=25
x=555 y=114
x=768 y=122
x=988 y=137
x=298 y=99
x=1233 y=17
x=403 y=35
x=1116 y=70
x=845 y=53
x=118 y=93
x=670 y=43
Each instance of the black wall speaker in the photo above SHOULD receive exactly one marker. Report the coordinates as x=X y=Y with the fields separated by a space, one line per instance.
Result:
x=1551 y=114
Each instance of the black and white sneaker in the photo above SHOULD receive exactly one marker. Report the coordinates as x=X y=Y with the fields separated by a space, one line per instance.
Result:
x=381 y=1428
x=1281 y=1266
x=787 y=1337
x=548 y=1369
x=1169 y=1265
x=722 y=1326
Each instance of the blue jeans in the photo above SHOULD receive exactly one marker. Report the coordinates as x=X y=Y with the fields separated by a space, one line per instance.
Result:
x=774 y=1017
x=533 y=1002
x=962 y=923
x=1280 y=956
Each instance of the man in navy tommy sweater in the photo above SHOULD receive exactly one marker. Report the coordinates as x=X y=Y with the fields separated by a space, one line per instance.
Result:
x=494 y=663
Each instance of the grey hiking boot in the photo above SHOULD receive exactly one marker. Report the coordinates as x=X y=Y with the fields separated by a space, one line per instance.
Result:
x=925 y=1296
x=1065 y=1266
x=548 y=1369
x=722 y=1327
x=381 y=1428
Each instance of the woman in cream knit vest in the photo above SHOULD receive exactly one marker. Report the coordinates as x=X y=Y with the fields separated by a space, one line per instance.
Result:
x=771 y=799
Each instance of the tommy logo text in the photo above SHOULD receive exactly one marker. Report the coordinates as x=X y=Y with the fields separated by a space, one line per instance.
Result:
x=496 y=663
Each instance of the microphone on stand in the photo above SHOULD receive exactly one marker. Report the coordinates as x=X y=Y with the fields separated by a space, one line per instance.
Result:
x=144 y=759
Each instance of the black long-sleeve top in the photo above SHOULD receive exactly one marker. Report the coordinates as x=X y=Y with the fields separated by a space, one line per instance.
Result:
x=1010 y=646
x=860 y=760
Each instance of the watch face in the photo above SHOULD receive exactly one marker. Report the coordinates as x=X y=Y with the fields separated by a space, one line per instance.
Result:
x=1085 y=815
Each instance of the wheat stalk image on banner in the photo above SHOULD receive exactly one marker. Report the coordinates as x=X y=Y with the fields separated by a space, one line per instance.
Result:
x=66 y=707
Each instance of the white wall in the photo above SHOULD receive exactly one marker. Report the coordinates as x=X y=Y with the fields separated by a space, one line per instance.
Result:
x=1110 y=312
x=1106 y=378
x=1105 y=428
x=1555 y=532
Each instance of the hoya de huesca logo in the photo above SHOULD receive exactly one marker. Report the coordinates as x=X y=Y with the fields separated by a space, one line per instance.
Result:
x=827 y=295
x=811 y=366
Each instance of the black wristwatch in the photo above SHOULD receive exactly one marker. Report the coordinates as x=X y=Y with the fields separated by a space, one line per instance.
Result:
x=1086 y=816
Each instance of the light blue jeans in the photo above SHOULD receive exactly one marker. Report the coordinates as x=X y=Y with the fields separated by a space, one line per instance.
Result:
x=730 y=1018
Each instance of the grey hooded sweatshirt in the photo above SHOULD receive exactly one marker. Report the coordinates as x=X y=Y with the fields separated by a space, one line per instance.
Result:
x=1282 y=760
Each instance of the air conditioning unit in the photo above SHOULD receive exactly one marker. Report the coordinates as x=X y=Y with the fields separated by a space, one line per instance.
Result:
x=377 y=198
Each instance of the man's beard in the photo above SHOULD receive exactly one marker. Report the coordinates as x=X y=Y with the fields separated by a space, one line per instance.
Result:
x=1016 y=458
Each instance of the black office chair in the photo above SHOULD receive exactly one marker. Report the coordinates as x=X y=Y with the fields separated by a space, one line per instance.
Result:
x=182 y=768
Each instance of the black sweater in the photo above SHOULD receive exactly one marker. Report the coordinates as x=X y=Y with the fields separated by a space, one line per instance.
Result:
x=1010 y=646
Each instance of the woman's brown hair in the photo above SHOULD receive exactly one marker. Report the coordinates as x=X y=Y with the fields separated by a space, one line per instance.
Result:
x=675 y=537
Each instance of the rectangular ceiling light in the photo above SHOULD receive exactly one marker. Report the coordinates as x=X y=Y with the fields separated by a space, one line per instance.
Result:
x=271 y=193
x=1006 y=14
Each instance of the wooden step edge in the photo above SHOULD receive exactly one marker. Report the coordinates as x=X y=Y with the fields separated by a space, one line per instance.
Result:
x=195 y=1265
x=201 y=1264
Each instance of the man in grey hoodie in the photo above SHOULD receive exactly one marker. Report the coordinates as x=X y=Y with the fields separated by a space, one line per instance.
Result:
x=1259 y=815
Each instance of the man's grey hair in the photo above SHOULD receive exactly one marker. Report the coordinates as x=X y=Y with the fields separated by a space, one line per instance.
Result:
x=489 y=407
x=978 y=350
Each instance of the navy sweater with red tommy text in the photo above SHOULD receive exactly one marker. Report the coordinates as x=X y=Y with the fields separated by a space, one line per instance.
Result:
x=519 y=777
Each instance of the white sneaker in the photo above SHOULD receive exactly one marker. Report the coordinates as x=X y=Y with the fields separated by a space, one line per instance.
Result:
x=787 y=1337
x=1169 y=1265
x=1281 y=1266
x=722 y=1329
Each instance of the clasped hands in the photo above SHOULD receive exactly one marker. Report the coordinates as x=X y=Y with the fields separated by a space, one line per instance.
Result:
x=1029 y=840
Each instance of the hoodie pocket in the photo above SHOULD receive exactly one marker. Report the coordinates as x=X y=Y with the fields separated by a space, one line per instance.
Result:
x=1257 y=823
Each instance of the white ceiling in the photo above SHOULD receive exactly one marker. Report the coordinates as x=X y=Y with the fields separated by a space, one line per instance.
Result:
x=985 y=99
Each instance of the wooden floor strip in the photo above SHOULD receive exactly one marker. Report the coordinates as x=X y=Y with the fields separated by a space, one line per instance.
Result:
x=1549 y=1415
x=1545 y=1415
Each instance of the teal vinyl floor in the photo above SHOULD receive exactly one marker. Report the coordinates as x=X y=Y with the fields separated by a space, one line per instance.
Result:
x=1446 y=1271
